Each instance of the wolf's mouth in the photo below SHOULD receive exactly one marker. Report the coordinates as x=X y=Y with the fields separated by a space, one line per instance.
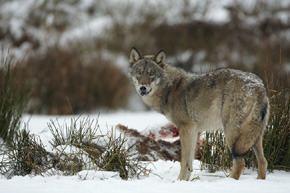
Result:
x=144 y=93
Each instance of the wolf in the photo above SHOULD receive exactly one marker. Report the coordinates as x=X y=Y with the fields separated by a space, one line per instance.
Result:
x=227 y=99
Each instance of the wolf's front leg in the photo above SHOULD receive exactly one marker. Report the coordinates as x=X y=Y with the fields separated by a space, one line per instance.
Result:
x=188 y=137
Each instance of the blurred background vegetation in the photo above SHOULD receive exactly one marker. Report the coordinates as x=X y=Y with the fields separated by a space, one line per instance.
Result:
x=74 y=54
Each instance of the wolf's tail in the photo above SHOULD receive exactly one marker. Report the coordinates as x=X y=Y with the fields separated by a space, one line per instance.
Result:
x=252 y=130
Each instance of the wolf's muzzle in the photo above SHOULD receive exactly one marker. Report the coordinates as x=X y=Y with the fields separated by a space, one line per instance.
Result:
x=143 y=90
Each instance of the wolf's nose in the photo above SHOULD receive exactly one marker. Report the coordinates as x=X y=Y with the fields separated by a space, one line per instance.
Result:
x=143 y=88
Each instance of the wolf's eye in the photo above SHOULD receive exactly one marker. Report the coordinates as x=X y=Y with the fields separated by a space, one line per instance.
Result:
x=151 y=73
x=139 y=72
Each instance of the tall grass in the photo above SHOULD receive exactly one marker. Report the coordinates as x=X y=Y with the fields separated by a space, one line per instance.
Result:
x=277 y=135
x=14 y=96
x=215 y=156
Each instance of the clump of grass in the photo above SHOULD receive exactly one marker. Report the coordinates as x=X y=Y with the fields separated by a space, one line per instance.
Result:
x=104 y=152
x=68 y=164
x=24 y=155
x=79 y=138
x=80 y=133
x=75 y=147
x=14 y=96
x=117 y=158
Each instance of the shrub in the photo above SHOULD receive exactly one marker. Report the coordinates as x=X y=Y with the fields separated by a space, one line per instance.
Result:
x=14 y=96
x=63 y=82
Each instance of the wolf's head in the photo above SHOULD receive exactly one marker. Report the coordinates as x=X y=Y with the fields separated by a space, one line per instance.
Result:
x=146 y=71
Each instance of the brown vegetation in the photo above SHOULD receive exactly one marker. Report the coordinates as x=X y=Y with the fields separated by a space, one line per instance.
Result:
x=63 y=82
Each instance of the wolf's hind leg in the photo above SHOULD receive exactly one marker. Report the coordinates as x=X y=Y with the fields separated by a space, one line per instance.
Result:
x=188 y=137
x=262 y=162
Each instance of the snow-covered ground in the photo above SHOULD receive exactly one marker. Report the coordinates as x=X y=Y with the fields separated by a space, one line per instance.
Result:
x=106 y=182
x=162 y=179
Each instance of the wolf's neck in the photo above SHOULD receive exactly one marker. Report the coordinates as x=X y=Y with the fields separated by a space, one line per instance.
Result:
x=170 y=85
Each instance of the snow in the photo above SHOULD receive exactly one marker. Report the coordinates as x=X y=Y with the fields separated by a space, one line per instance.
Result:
x=91 y=181
x=163 y=176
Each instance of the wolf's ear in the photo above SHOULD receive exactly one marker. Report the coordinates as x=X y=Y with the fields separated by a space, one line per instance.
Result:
x=160 y=58
x=134 y=56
